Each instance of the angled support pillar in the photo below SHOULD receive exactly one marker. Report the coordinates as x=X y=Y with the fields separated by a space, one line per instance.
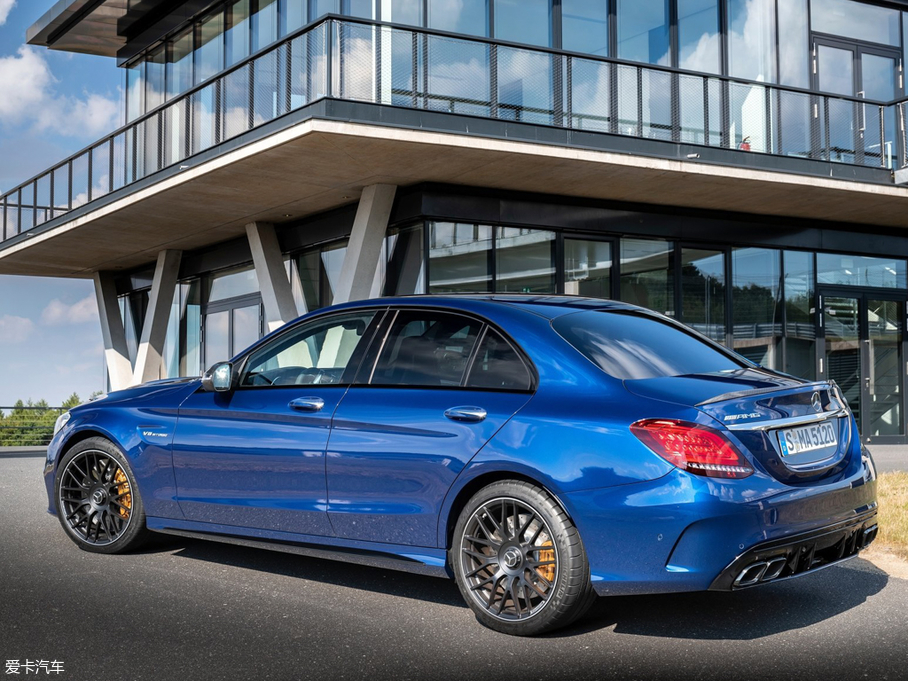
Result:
x=277 y=295
x=116 y=351
x=358 y=273
x=149 y=359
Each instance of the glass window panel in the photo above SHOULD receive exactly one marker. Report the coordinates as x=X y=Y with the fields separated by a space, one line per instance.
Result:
x=643 y=31
x=322 y=7
x=264 y=24
x=237 y=31
x=294 y=15
x=459 y=257
x=757 y=305
x=588 y=268
x=800 y=322
x=426 y=349
x=402 y=11
x=584 y=26
x=857 y=20
x=155 y=74
x=698 y=35
x=135 y=90
x=524 y=21
x=458 y=74
x=752 y=39
x=247 y=327
x=309 y=268
x=359 y=8
x=884 y=321
x=836 y=70
x=858 y=270
x=210 y=53
x=405 y=266
x=171 y=352
x=217 y=337
x=635 y=345
x=497 y=366
x=179 y=64
x=460 y=16
x=191 y=330
x=525 y=260
x=842 y=326
x=315 y=353
x=646 y=274
x=232 y=284
x=332 y=263
x=703 y=291
x=525 y=86
x=794 y=50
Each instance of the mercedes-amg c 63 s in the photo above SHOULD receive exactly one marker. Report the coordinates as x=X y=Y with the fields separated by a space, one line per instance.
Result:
x=539 y=450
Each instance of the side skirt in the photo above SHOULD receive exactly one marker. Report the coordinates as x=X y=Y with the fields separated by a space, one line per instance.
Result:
x=415 y=563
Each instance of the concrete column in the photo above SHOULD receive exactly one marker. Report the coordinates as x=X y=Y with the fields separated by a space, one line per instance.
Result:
x=364 y=250
x=277 y=294
x=149 y=359
x=116 y=351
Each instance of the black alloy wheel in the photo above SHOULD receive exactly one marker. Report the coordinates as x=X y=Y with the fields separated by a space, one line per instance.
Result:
x=519 y=561
x=97 y=500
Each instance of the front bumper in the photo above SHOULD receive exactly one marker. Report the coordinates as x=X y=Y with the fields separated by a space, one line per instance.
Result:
x=774 y=561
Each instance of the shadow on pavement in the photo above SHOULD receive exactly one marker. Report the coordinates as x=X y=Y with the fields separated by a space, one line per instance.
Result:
x=742 y=615
x=378 y=580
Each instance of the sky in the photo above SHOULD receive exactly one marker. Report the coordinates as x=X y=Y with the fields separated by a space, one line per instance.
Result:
x=52 y=105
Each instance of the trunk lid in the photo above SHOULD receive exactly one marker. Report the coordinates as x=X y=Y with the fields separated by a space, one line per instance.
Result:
x=798 y=431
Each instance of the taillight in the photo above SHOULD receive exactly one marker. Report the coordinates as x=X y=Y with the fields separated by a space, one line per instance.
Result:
x=693 y=448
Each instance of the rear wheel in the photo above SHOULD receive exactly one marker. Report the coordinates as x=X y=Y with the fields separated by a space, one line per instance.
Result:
x=519 y=561
x=98 y=502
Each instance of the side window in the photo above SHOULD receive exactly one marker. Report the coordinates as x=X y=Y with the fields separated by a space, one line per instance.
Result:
x=498 y=366
x=316 y=353
x=426 y=349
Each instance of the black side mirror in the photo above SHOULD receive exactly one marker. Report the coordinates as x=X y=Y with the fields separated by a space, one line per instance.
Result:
x=218 y=378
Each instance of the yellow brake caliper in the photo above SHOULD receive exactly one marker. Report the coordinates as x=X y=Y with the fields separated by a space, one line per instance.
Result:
x=547 y=571
x=123 y=488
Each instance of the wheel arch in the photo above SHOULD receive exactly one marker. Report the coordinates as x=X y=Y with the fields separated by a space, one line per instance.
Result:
x=472 y=486
x=80 y=436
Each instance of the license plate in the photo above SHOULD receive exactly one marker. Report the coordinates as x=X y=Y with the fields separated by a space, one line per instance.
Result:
x=807 y=438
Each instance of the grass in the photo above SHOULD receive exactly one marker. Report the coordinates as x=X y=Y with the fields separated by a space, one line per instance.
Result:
x=892 y=490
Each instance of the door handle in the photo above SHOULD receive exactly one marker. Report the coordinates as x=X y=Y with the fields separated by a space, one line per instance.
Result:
x=307 y=404
x=469 y=414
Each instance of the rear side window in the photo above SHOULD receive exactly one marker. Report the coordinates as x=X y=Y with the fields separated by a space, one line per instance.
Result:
x=429 y=349
x=632 y=345
x=497 y=366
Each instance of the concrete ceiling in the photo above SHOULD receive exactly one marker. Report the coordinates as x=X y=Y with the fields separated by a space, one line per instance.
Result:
x=318 y=165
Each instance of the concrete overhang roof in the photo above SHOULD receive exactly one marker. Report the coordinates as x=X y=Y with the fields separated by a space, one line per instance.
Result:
x=316 y=165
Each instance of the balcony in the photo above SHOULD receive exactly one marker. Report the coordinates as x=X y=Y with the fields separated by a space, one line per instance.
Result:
x=657 y=112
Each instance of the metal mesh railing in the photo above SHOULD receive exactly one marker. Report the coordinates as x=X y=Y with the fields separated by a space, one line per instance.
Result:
x=25 y=426
x=365 y=61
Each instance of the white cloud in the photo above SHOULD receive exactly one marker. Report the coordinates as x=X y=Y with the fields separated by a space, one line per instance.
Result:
x=6 y=6
x=15 y=329
x=30 y=97
x=58 y=313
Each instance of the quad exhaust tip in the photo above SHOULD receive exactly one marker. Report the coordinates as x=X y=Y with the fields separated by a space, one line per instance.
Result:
x=762 y=571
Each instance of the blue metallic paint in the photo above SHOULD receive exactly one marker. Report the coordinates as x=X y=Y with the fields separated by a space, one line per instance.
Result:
x=394 y=469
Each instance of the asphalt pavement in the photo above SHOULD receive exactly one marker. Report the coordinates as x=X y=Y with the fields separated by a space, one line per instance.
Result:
x=186 y=609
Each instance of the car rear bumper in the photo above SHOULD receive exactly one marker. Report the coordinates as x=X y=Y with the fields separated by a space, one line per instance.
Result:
x=684 y=533
x=775 y=561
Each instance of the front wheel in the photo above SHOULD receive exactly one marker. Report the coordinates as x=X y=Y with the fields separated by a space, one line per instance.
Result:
x=98 y=502
x=519 y=562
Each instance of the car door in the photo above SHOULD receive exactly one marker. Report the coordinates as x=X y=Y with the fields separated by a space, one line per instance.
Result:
x=255 y=456
x=441 y=386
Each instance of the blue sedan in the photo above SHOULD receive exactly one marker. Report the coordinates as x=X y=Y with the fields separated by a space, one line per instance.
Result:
x=540 y=450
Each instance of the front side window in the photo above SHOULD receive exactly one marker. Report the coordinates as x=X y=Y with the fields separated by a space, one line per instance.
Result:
x=317 y=353
x=427 y=349
x=634 y=345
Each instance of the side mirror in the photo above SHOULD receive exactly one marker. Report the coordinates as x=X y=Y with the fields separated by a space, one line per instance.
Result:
x=218 y=378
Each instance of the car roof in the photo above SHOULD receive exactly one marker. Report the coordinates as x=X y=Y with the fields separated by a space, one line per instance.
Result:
x=548 y=306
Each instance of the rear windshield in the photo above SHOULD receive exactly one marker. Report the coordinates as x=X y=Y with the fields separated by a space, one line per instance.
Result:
x=630 y=345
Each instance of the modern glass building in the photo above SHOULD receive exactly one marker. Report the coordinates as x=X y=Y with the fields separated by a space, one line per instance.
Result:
x=740 y=165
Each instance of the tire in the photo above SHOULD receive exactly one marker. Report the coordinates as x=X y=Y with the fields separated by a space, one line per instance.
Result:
x=98 y=501
x=510 y=586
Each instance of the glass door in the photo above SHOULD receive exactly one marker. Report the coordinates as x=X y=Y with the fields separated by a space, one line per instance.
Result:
x=853 y=132
x=864 y=354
